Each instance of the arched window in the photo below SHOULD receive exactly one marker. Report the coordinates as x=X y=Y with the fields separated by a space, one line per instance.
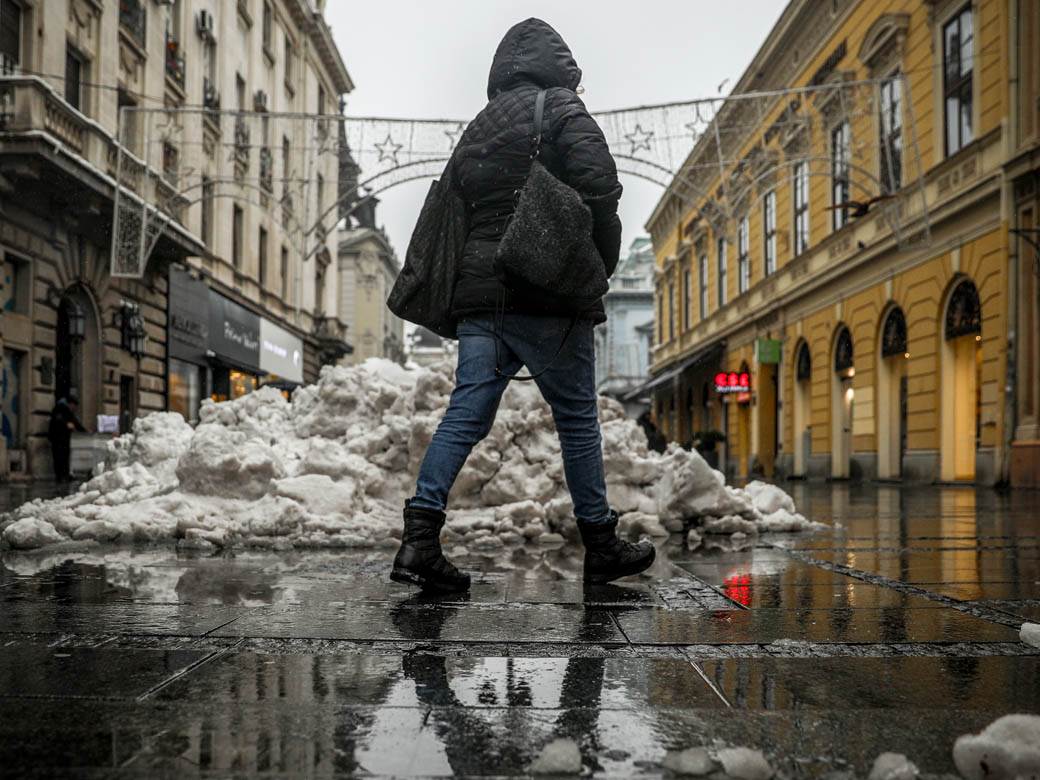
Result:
x=964 y=312
x=843 y=351
x=893 y=334
x=803 y=363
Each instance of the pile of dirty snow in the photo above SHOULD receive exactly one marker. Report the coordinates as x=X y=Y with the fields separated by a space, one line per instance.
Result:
x=332 y=468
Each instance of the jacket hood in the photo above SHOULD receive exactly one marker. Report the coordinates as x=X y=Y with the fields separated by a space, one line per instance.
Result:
x=532 y=51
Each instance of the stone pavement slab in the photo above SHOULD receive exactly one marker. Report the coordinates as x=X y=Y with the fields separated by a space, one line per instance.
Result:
x=161 y=619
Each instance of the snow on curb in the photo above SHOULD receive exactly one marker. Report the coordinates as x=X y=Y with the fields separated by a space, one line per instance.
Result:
x=332 y=468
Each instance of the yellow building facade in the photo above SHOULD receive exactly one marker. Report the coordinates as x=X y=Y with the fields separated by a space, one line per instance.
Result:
x=899 y=343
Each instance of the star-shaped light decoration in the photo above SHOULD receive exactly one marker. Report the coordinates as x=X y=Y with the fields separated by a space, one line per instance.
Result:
x=455 y=134
x=388 y=150
x=639 y=138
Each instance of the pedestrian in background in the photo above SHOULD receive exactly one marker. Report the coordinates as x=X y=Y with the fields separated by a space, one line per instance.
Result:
x=533 y=83
x=63 y=422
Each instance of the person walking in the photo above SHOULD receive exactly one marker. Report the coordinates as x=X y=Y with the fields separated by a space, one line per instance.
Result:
x=500 y=330
x=62 y=423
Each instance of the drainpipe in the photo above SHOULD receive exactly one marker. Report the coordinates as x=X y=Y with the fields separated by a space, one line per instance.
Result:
x=1008 y=198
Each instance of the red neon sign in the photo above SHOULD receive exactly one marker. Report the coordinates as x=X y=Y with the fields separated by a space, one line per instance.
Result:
x=733 y=382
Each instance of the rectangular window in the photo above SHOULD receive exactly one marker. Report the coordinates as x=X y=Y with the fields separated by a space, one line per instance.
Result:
x=288 y=61
x=769 y=231
x=687 y=299
x=891 y=141
x=265 y=27
x=743 y=259
x=801 y=208
x=262 y=258
x=207 y=211
x=958 y=71
x=74 y=71
x=319 y=291
x=15 y=285
x=10 y=37
x=285 y=272
x=702 y=272
x=240 y=93
x=129 y=134
x=840 y=175
x=286 y=167
x=237 y=217
x=721 y=271
x=671 y=303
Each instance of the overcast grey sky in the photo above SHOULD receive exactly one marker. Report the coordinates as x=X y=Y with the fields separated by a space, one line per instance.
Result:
x=430 y=59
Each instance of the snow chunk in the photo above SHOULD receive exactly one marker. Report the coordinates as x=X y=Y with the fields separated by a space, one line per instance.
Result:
x=1008 y=748
x=559 y=757
x=893 y=766
x=1030 y=634
x=30 y=533
x=744 y=763
x=693 y=761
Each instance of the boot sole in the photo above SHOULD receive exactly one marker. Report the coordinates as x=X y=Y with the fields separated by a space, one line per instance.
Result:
x=406 y=577
x=635 y=568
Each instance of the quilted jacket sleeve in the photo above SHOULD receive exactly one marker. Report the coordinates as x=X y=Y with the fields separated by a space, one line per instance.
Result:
x=587 y=165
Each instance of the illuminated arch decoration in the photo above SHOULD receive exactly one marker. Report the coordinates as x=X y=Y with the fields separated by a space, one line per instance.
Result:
x=711 y=153
x=964 y=311
x=893 y=334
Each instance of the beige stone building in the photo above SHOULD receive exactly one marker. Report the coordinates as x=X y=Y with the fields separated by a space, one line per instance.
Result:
x=227 y=241
x=367 y=270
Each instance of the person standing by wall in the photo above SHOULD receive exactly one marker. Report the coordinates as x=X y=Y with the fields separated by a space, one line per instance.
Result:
x=64 y=421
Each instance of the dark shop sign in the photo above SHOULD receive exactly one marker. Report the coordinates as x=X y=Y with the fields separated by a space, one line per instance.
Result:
x=188 y=323
x=234 y=333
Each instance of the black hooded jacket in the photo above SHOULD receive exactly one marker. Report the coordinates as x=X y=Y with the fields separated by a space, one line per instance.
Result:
x=493 y=160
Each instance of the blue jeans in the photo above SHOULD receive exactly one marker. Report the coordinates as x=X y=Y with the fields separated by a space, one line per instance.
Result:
x=569 y=386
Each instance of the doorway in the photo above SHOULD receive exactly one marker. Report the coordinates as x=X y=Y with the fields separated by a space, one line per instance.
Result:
x=842 y=398
x=77 y=353
x=802 y=409
x=891 y=394
x=961 y=383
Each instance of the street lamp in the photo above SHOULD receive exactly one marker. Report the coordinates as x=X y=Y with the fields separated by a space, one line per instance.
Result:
x=77 y=320
x=132 y=334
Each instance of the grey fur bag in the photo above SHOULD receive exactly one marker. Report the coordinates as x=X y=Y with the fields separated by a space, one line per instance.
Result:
x=547 y=247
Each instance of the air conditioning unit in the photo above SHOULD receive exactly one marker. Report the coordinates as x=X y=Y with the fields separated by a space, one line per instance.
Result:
x=204 y=24
x=260 y=100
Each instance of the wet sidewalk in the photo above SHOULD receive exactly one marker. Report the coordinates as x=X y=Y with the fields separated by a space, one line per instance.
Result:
x=895 y=629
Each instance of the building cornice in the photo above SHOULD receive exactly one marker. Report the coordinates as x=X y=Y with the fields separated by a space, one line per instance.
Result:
x=311 y=23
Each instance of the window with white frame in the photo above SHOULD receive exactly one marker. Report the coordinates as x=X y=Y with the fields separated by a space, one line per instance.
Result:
x=721 y=270
x=958 y=73
x=769 y=231
x=703 y=274
x=840 y=151
x=743 y=259
x=891 y=128
x=687 y=299
x=801 y=207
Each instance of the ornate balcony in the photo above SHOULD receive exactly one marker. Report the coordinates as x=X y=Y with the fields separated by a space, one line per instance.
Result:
x=332 y=338
x=133 y=18
x=174 y=61
x=241 y=145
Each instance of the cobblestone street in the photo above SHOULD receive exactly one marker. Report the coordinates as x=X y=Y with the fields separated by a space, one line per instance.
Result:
x=896 y=629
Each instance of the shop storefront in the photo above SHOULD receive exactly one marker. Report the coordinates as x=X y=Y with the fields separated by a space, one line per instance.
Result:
x=234 y=348
x=188 y=338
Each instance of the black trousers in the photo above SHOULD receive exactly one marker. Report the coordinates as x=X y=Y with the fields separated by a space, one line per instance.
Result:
x=60 y=451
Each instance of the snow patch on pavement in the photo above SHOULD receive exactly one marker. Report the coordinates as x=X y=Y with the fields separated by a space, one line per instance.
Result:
x=1006 y=749
x=559 y=757
x=1030 y=634
x=332 y=468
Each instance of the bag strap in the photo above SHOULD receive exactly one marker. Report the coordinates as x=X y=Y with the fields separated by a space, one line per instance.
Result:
x=539 y=117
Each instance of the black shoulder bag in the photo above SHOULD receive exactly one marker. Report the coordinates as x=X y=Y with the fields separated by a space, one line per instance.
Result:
x=547 y=248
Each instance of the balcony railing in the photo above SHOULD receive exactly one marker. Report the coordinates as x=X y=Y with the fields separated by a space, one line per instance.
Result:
x=174 y=61
x=241 y=143
x=133 y=17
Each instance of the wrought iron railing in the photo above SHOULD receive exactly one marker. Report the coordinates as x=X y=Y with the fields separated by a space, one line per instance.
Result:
x=133 y=17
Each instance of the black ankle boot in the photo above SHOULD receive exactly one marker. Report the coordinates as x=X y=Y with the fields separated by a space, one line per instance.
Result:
x=420 y=560
x=607 y=557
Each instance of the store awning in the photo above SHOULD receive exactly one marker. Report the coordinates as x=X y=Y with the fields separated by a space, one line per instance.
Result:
x=701 y=357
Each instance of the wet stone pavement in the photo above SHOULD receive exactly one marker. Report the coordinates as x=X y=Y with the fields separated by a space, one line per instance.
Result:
x=893 y=629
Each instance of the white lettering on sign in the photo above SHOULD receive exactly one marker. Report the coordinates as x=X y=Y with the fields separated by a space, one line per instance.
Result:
x=247 y=340
x=273 y=348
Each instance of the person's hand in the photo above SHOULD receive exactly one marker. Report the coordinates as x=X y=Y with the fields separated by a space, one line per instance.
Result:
x=70 y=426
